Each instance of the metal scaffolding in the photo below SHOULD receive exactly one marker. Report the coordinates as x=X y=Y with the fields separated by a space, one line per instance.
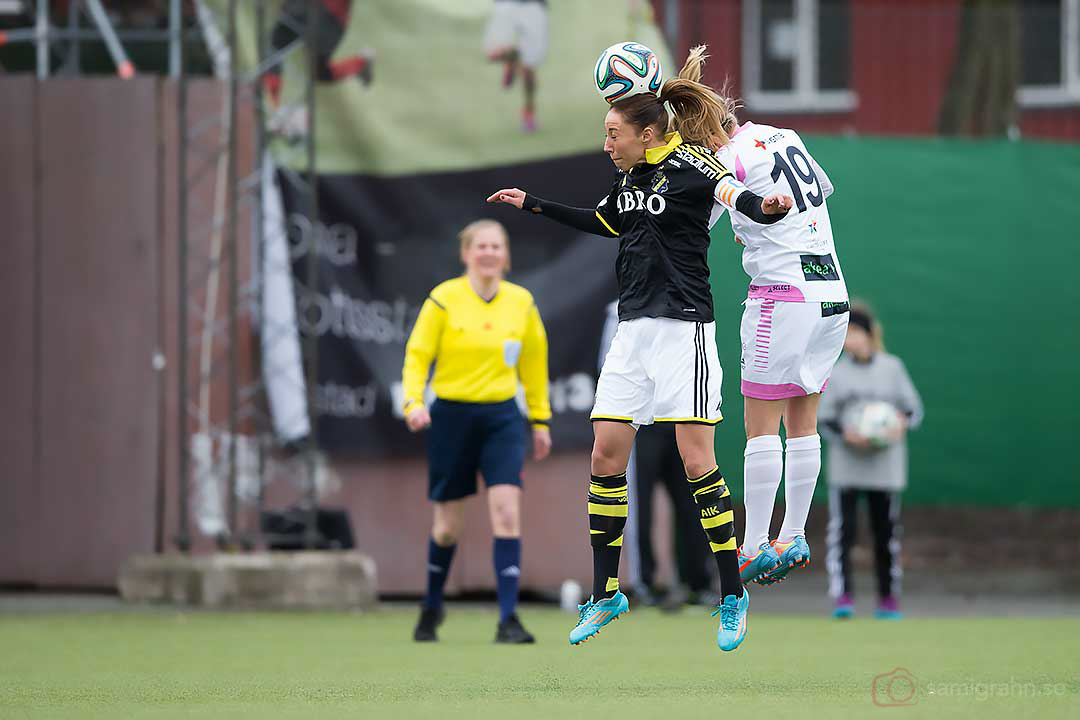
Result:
x=45 y=37
x=221 y=292
x=218 y=450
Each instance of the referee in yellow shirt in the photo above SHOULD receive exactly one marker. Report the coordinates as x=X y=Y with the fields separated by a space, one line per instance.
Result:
x=482 y=333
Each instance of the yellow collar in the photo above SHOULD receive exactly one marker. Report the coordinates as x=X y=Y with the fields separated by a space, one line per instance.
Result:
x=657 y=154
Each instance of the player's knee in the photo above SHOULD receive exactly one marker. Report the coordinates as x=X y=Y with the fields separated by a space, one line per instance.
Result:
x=444 y=536
x=505 y=520
x=696 y=466
x=606 y=459
x=800 y=417
x=800 y=426
x=446 y=530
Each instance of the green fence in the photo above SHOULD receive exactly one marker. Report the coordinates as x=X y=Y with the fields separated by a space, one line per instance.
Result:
x=969 y=252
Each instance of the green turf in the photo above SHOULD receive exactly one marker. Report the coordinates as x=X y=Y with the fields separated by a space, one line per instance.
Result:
x=248 y=665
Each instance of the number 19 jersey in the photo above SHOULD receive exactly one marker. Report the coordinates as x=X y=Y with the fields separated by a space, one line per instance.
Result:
x=794 y=259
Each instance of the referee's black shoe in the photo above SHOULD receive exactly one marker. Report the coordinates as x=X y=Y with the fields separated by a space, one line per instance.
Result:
x=429 y=620
x=511 y=631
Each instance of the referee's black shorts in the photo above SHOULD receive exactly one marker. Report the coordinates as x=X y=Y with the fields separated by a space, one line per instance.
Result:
x=465 y=438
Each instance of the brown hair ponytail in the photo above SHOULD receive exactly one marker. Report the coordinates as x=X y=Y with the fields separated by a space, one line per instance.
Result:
x=701 y=115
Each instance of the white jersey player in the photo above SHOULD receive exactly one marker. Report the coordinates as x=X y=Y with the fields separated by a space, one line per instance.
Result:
x=793 y=329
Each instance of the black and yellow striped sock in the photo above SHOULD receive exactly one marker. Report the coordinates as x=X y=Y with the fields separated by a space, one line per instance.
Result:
x=608 y=504
x=718 y=521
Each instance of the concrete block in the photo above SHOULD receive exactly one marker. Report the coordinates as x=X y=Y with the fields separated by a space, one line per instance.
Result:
x=313 y=580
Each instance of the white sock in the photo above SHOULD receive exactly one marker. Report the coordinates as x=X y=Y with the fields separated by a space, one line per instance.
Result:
x=803 y=463
x=763 y=465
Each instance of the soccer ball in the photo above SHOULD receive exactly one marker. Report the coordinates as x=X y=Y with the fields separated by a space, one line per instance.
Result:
x=626 y=69
x=877 y=422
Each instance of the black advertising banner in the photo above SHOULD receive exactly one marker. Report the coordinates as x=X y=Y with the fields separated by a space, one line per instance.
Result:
x=383 y=243
x=422 y=109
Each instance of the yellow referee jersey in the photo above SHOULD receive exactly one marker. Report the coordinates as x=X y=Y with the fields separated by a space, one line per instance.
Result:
x=479 y=347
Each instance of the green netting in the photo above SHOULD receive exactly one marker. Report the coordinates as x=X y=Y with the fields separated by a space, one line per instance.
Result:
x=968 y=250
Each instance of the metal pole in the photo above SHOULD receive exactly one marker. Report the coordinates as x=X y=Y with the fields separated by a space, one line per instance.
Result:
x=158 y=360
x=260 y=231
x=124 y=68
x=41 y=32
x=78 y=33
x=175 y=25
x=671 y=26
x=311 y=531
x=234 y=276
x=71 y=63
x=183 y=537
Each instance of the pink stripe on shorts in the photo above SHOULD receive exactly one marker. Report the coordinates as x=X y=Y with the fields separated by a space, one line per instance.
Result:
x=765 y=391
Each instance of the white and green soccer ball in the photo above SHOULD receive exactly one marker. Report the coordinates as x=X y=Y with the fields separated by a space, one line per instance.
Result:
x=626 y=69
x=878 y=422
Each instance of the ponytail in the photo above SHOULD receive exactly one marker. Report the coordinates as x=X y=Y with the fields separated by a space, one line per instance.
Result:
x=701 y=115
x=725 y=106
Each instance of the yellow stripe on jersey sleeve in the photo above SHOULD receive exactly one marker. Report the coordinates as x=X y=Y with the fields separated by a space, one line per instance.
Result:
x=708 y=158
x=610 y=229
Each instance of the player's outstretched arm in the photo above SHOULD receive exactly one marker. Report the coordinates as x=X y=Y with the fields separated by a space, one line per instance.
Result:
x=584 y=219
x=733 y=195
x=510 y=196
x=776 y=204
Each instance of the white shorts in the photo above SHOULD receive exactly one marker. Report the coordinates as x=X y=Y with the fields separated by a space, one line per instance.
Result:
x=520 y=25
x=789 y=348
x=660 y=370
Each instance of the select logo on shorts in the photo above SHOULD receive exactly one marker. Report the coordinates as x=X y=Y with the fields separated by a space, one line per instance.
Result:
x=818 y=267
x=833 y=308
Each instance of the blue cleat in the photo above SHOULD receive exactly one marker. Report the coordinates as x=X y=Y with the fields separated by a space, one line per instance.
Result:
x=844 y=607
x=594 y=615
x=793 y=554
x=752 y=568
x=888 y=609
x=732 y=614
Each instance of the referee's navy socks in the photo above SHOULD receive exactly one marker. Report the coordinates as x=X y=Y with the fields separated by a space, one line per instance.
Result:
x=438 y=568
x=507 y=555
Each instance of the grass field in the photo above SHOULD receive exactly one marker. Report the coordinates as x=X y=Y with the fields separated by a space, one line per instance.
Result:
x=166 y=664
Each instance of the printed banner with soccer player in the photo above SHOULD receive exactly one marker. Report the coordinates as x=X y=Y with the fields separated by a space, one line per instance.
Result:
x=415 y=126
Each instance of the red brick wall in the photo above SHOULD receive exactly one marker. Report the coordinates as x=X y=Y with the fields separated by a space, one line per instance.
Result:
x=902 y=54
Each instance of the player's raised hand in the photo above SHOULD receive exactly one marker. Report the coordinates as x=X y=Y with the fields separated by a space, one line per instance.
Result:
x=776 y=204
x=510 y=196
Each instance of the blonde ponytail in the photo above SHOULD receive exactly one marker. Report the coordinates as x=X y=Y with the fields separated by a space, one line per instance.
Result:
x=725 y=106
x=700 y=115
